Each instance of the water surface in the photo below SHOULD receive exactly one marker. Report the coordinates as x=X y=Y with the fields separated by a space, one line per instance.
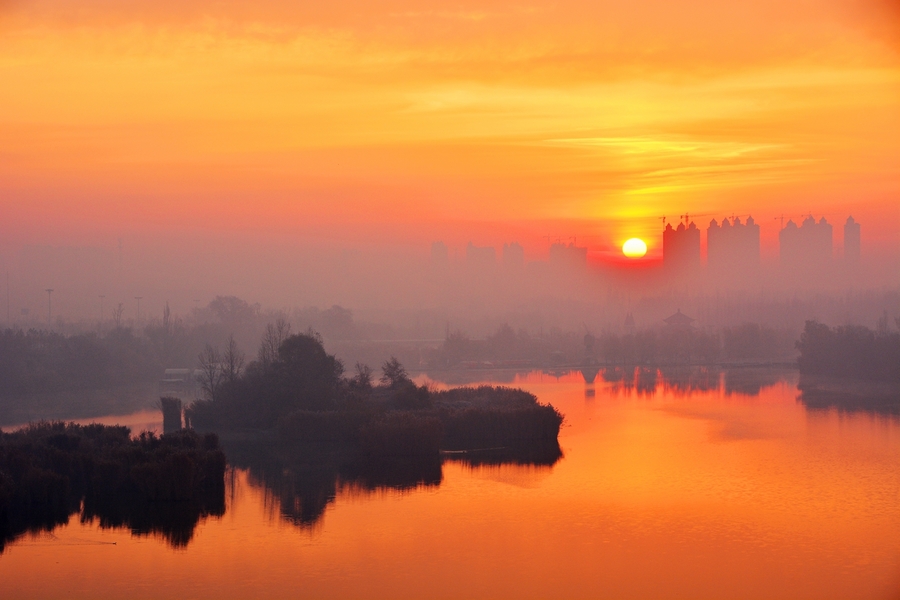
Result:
x=692 y=484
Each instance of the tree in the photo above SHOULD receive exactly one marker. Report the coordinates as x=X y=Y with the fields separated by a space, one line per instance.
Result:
x=233 y=311
x=362 y=380
x=393 y=373
x=232 y=361
x=117 y=315
x=337 y=322
x=305 y=376
x=211 y=374
x=273 y=337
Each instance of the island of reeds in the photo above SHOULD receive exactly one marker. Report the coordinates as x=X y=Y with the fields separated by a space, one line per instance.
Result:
x=298 y=395
x=162 y=485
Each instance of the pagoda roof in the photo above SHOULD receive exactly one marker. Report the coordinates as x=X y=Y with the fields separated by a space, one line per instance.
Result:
x=679 y=318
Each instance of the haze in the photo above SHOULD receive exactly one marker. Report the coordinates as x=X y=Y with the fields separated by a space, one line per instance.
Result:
x=309 y=154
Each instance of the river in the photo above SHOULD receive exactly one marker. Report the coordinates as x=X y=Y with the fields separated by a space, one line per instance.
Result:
x=699 y=484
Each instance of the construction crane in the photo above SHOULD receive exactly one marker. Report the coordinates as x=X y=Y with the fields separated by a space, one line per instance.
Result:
x=687 y=217
x=782 y=216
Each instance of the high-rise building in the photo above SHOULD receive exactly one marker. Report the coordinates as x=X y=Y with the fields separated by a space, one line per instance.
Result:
x=808 y=246
x=480 y=256
x=562 y=255
x=513 y=256
x=732 y=246
x=681 y=248
x=851 y=241
x=440 y=254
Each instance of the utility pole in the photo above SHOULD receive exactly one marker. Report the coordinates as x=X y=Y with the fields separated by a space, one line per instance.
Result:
x=138 y=298
x=100 y=327
x=49 y=308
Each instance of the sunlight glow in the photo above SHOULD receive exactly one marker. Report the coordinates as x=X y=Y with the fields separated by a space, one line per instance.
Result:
x=634 y=248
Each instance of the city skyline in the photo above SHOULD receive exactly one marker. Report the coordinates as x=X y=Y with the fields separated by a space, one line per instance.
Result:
x=490 y=121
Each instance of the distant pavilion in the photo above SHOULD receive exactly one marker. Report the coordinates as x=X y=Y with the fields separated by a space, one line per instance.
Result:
x=679 y=321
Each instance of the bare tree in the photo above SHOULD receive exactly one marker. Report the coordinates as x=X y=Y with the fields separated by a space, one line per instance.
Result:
x=211 y=373
x=232 y=360
x=117 y=315
x=274 y=336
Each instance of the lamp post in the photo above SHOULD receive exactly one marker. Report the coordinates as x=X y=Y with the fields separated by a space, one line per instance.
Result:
x=49 y=308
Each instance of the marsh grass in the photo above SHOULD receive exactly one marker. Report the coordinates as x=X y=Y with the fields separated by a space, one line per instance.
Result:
x=151 y=484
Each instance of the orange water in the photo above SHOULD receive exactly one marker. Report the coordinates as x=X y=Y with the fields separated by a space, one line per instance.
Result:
x=671 y=493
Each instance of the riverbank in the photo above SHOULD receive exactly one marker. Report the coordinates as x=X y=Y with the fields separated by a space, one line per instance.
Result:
x=162 y=485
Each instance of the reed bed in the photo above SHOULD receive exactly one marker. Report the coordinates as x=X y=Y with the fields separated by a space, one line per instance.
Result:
x=47 y=470
x=459 y=419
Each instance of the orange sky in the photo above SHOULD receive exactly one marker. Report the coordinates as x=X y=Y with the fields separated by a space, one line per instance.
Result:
x=487 y=121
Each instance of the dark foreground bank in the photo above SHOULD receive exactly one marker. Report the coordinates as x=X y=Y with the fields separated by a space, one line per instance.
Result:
x=161 y=485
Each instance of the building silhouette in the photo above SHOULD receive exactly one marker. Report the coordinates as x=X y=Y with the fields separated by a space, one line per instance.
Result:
x=440 y=254
x=480 y=256
x=681 y=248
x=678 y=322
x=513 y=255
x=807 y=247
x=562 y=255
x=851 y=241
x=732 y=247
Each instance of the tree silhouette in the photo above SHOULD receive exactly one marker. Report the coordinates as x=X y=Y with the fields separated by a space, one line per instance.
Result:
x=393 y=373
x=273 y=337
x=362 y=380
x=211 y=375
x=232 y=361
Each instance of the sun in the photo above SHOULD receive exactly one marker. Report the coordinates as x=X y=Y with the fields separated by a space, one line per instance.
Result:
x=634 y=248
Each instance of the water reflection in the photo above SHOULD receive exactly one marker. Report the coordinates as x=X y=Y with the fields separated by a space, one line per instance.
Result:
x=659 y=496
x=824 y=393
x=173 y=522
x=643 y=380
x=300 y=483
x=816 y=393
